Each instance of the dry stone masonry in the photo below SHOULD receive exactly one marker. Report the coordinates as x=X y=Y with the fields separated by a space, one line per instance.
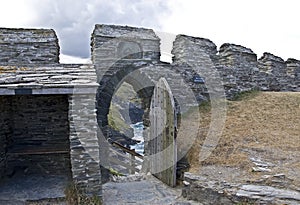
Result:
x=116 y=52
x=237 y=65
x=23 y=46
x=50 y=112
x=47 y=111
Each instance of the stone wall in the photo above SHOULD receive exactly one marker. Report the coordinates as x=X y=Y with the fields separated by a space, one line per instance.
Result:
x=53 y=112
x=116 y=52
x=237 y=66
x=39 y=140
x=24 y=46
x=194 y=59
x=111 y=42
x=5 y=131
x=85 y=157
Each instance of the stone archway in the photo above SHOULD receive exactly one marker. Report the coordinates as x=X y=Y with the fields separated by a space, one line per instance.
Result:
x=124 y=72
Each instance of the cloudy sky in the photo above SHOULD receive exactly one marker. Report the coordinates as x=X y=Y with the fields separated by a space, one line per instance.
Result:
x=262 y=25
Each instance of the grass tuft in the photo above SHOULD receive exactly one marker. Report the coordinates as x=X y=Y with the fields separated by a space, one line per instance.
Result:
x=74 y=196
x=245 y=95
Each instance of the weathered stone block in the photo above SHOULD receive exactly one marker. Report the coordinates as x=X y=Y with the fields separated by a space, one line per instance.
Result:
x=28 y=46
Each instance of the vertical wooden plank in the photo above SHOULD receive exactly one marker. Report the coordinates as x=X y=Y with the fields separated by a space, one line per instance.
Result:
x=162 y=142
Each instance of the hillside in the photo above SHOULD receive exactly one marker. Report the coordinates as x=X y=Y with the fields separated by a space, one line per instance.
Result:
x=261 y=136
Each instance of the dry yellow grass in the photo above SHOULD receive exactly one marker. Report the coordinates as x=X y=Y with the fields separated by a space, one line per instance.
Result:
x=267 y=122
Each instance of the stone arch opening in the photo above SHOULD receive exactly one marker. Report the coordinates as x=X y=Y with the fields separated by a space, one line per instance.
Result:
x=109 y=84
x=125 y=72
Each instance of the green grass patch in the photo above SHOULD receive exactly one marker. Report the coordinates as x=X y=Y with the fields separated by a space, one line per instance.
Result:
x=205 y=106
x=115 y=172
x=246 y=95
x=125 y=93
x=115 y=119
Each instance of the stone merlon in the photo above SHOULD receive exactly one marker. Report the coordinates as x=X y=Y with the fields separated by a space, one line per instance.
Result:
x=112 y=42
x=203 y=43
x=270 y=57
x=271 y=63
x=236 y=55
x=292 y=61
x=28 y=46
x=115 y=31
x=232 y=48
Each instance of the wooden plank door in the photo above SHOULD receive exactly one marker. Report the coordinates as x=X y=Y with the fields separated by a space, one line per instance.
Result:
x=162 y=143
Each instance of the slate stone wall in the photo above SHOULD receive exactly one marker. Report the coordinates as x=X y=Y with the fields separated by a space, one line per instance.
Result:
x=5 y=131
x=116 y=52
x=237 y=66
x=51 y=134
x=52 y=129
x=111 y=42
x=28 y=46
x=84 y=146
x=39 y=138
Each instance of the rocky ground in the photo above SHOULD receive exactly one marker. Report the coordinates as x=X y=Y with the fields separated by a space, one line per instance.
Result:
x=21 y=189
x=142 y=189
x=256 y=160
x=257 y=156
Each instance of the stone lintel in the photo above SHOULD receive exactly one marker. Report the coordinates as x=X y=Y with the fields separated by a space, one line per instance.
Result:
x=49 y=91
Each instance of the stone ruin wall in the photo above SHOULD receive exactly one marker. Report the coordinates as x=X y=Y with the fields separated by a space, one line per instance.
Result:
x=5 y=125
x=48 y=104
x=238 y=66
x=28 y=46
x=112 y=61
x=239 y=69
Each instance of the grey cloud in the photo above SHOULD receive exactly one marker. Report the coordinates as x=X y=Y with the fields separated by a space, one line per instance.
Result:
x=75 y=20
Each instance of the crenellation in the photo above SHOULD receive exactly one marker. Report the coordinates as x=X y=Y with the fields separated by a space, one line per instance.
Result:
x=237 y=65
x=272 y=64
x=185 y=45
x=236 y=55
x=31 y=79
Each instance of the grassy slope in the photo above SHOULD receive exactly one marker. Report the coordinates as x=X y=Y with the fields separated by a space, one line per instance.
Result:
x=267 y=123
x=126 y=94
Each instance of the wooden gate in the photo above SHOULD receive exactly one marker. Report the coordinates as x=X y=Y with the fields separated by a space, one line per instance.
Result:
x=162 y=143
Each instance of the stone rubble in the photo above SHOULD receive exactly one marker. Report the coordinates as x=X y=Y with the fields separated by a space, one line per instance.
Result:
x=198 y=188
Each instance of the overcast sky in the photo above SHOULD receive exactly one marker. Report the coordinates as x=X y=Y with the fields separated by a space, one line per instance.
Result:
x=262 y=25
